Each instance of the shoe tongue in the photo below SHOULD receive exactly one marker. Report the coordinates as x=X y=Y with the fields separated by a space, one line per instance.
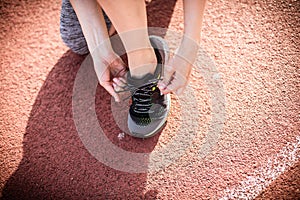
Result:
x=137 y=82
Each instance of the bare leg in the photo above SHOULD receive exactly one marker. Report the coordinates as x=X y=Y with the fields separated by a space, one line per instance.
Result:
x=130 y=20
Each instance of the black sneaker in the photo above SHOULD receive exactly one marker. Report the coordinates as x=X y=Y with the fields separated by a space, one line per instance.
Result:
x=149 y=109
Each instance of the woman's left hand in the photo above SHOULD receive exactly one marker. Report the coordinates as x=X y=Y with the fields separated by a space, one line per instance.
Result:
x=178 y=69
x=176 y=75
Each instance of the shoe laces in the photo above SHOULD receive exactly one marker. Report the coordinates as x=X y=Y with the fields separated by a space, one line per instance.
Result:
x=142 y=96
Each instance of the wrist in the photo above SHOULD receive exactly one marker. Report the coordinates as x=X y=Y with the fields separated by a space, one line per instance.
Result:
x=188 y=49
x=192 y=35
x=104 y=55
x=103 y=48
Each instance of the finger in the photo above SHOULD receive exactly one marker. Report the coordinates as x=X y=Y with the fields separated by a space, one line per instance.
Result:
x=119 y=82
x=123 y=80
x=180 y=91
x=109 y=88
x=117 y=88
x=173 y=86
x=118 y=85
x=170 y=88
x=168 y=76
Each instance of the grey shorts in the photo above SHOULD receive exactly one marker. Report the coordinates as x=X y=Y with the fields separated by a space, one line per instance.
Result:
x=70 y=29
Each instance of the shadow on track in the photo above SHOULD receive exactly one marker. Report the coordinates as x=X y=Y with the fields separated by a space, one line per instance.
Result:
x=55 y=163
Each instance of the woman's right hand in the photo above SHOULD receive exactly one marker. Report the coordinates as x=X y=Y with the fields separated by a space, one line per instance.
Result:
x=108 y=67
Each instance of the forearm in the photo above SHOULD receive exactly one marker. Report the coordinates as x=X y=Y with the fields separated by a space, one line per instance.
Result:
x=193 y=18
x=92 y=22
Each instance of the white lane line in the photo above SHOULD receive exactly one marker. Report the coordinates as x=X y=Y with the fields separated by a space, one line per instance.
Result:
x=264 y=176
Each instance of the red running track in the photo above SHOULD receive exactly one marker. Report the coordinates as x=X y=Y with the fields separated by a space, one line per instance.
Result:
x=255 y=47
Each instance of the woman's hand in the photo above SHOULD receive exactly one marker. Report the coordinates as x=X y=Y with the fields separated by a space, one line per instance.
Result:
x=177 y=71
x=107 y=64
x=176 y=75
x=107 y=68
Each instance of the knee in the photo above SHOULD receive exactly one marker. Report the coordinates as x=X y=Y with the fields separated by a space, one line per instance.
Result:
x=75 y=41
x=70 y=29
